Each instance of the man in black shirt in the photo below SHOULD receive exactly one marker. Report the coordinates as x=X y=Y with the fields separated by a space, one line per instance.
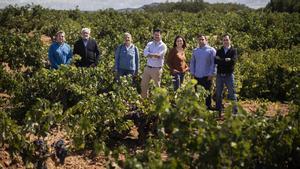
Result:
x=225 y=60
x=87 y=49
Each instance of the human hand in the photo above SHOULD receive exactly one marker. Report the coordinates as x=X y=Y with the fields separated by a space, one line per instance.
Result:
x=227 y=59
x=156 y=56
x=174 y=71
x=186 y=69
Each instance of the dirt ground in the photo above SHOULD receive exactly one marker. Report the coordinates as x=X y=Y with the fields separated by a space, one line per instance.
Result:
x=272 y=108
x=83 y=160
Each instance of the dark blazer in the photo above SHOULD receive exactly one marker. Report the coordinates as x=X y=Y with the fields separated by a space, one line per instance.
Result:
x=226 y=67
x=89 y=54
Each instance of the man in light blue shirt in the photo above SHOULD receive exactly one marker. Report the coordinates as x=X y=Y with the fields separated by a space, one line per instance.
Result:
x=155 y=52
x=59 y=51
x=202 y=65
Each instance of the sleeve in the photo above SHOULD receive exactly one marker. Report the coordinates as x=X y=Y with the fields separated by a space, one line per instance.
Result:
x=69 y=56
x=147 y=50
x=97 y=53
x=193 y=64
x=163 y=51
x=75 y=48
x=51 y=57
x=169 y=59
x=136 y=60
x=212 y=61
x=234 y=56
x=221 y=60
x=217 y=54
x=117 y=58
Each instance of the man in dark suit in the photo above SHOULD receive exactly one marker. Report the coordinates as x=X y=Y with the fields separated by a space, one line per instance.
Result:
x=225 y=60
x=87 y=49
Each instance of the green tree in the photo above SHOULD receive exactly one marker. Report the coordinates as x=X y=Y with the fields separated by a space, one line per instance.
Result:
x=284 y=6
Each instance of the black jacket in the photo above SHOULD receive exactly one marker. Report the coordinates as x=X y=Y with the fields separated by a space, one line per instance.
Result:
x=226 y=67
x=89 y=54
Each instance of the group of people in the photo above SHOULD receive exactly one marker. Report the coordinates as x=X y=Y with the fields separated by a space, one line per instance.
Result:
x=61 y=53
x=202 y=64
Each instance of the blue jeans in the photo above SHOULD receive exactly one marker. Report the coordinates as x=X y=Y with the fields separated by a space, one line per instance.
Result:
x=228 y=80
x=207 y=85
x=178 y=80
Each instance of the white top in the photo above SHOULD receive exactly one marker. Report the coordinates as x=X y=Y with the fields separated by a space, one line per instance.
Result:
x=154 y=47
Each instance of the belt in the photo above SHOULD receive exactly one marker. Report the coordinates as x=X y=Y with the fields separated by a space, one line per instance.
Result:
x=153 y=67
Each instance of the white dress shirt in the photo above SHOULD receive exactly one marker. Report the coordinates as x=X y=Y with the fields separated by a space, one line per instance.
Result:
x=154 y=47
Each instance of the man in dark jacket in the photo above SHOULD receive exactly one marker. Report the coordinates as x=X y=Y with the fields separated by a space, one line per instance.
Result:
x=87 y=49
x=225 y=60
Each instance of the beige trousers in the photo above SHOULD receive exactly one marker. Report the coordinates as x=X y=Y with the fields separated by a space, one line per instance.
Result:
x=150 y=73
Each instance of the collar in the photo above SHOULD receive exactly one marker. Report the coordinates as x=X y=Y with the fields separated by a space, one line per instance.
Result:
x=226 y=47
x=157 y=43
x=59 y=44
x=205 y=46
x=130 y=46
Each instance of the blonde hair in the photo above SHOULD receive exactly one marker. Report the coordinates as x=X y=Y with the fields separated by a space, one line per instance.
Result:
x=60 y=32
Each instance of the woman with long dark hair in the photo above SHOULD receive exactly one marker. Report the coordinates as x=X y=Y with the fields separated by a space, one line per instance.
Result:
x=176 y=61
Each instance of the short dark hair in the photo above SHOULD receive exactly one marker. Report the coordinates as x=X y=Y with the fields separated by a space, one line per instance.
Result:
x=184 y=42
x=156 y=30
x=226 y=34
x=200 y=35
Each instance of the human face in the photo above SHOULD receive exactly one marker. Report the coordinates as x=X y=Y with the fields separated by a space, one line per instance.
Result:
x=85 y=35
x=60 y=38
x=127 y=39
x=226 y=41
x=202 y=41
x=179 y=42
x=157 y=36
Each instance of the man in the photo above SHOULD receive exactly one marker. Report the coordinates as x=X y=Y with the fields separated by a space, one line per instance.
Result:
x=202 y=66
x=87 y=49
x=127 y=58
x=225 y=60
x=155 y=52
x=59 y=52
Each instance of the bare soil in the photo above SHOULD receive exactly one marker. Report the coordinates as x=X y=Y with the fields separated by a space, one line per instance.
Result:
x=84 y=160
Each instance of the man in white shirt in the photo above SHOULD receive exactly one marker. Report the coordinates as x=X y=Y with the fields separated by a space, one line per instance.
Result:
x=155 y=52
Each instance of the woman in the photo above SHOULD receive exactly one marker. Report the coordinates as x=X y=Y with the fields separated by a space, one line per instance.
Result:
x=127 y=58
x=176 y=61
x=59 y=51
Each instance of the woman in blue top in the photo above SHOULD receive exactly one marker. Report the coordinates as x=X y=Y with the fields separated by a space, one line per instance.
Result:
x=59 y=51
x=127 y=58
